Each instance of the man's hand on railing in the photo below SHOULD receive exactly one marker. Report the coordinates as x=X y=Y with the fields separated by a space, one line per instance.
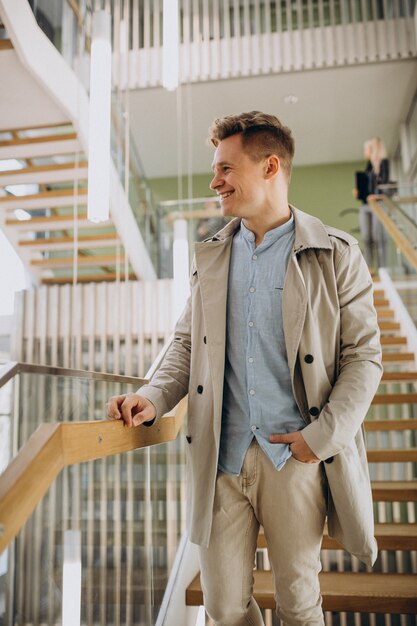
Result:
x=131 y=408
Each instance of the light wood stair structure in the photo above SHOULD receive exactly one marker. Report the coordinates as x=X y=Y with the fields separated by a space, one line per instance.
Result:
x=47 y=221
x=391 y=431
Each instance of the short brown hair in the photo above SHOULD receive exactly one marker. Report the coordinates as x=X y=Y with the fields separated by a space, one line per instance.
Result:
x=262 y=135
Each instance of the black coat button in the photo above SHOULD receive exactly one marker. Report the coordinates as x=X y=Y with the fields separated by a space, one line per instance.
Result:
x=314 y=411
x=309 y=358
x=200 y=389
x=188 y=438
x=329 y=460
x=205 y=339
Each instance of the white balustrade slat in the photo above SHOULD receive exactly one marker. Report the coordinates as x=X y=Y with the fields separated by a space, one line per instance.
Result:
x=195 y=52
x=205 y=50
x=256 y=67
x=215 y=41
x=135 y=25
x=267 y=45
x=226 y=43
x=245 y=49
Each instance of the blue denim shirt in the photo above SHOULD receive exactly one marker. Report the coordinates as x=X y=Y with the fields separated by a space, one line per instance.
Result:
x=257 y=398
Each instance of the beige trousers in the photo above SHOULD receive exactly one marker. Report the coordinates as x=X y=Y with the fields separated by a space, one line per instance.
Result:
x=290 y=504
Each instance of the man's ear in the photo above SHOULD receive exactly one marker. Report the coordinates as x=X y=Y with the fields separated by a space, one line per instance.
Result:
x=273 y=166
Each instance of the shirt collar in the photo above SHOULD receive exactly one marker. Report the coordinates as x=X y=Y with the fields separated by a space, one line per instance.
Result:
x=271 y=236
x=310 y=232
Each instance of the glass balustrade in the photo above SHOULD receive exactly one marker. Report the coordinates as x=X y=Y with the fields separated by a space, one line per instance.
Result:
x=106 y=529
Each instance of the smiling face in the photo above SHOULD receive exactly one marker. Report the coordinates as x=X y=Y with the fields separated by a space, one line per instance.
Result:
x=240 y=182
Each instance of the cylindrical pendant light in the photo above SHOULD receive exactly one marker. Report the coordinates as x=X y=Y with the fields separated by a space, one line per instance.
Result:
x=99 y=125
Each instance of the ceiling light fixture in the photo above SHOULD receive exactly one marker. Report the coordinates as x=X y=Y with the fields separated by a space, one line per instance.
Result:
x=291 y=99
x=99 y=119
x=170 y=48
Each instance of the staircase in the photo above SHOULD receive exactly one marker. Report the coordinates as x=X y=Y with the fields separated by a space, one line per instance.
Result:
x=347 y=587
x=43 y=197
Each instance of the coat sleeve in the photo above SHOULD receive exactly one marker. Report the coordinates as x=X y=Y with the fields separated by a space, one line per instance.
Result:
x=170 y=382
x=360 y=367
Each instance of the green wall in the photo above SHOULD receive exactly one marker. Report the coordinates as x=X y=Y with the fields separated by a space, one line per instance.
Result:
x=322 y=190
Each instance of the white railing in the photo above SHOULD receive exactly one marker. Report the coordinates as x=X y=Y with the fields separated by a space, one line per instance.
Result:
x=234 y=38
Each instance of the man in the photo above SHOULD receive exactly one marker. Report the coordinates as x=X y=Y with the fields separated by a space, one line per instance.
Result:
x=278 y=350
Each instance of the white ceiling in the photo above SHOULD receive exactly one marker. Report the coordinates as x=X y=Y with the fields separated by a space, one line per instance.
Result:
x=338 y=108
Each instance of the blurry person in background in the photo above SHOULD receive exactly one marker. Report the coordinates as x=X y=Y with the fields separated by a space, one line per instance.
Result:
x=368 y=182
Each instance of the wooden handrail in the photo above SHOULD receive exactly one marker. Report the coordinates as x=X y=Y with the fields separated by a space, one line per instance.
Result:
x=405 y=245
x=53 y=446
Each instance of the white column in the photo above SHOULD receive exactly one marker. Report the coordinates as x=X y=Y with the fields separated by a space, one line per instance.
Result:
x=71 y=584
x=181 y=268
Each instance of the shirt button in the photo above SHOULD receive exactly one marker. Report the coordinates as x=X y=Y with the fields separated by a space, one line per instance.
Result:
x=251 y=359
x=254 y=257
x=253 y=428
x=250 y=324
x=252 y=289
x=252 y=392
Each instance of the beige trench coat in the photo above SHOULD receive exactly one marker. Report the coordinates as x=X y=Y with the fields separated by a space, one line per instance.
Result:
x=334 y=355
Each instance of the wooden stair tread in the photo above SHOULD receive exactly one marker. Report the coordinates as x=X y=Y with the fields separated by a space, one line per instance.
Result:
x=372 y=425
x=395 y=398
x=399 y=376
x=6 y=44
x=389 y=325
x=44 y=174
x=394 y=490
x=341 y=591
x=389 y=357
x=19 y=141
x=392 y=455
x=45 y=199
x=56 y=222
x=385 y=313
x=393 y=341
x=84 y=242
x=87 y=278
x=388 y=536
x=92 y=259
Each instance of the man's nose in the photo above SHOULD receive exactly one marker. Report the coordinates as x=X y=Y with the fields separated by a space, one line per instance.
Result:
x=215 y=182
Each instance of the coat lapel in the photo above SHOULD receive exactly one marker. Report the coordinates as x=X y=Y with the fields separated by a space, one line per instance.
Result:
x=294 y=309
x=212 y=266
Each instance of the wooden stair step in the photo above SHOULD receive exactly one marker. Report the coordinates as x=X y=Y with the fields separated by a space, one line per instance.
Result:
x=6 y=44
x=44 y=174
x=395 y=398
x=392 y=455
x=55 y=223
x=388 y=377
x=87 y=278
x=372 y=425
x=388 y=536
x=381 y=302
x=102 y=240
x=388 y=325
x=68 y=261
x=30 y=147
x=393 y=340
x=341 y=591
x=394 y=490
x=379 y=293
x=385 y=313
x=392 y=357
x=45 y=199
